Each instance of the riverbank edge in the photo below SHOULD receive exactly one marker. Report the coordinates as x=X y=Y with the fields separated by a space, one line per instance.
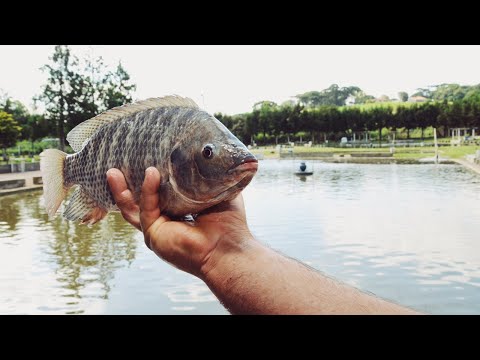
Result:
x=472 y=166
x=20 y=190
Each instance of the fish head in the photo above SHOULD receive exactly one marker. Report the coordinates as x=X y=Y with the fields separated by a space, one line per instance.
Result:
x=211 y=165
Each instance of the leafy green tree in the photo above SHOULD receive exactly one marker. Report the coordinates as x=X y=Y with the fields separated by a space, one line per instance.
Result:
x=442 y=118
x=239 y=127
x=266 y=111
x=60 y=94
x=409 y=119
x=225 y=120
x=333 y=95
x=251 y=126
x=473 y=93
x=279 y=116
x=19 y=112
x=9 y=131
x=361 y=97
x=425 y=92
x=310 y=98
x=76 y=91
x=449 y=92
x=403 y=96
x=118 y=89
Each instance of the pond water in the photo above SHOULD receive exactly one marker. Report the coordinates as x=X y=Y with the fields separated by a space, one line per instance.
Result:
x=408 y=233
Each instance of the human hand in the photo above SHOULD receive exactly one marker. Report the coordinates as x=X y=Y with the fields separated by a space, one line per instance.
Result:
x=194 y=247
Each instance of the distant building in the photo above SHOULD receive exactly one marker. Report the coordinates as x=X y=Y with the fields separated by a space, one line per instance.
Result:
x=417 y=99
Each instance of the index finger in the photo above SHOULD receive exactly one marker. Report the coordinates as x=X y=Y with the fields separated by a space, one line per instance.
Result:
x=123 y=196
x=149 y=198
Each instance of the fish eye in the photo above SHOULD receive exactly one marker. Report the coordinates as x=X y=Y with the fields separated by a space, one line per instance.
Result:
x=207 y=151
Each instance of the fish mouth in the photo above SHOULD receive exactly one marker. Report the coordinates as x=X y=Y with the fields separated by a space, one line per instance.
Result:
x=248 y=164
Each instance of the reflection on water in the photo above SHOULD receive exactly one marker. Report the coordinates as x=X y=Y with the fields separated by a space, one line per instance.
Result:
x=403 y=232
x=79 y=262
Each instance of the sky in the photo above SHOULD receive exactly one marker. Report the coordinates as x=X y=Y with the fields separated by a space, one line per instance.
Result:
x=230 y=79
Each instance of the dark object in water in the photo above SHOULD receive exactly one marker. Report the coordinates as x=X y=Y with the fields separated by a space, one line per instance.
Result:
x=303 y=168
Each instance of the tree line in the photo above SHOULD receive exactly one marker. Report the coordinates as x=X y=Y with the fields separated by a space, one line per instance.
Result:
x=270 y=123
x=78 y=89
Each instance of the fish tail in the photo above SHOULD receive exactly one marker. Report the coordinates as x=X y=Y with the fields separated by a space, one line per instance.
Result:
x=54 y=190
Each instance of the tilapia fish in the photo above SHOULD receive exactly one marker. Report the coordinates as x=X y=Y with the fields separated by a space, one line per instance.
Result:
x=200 y=161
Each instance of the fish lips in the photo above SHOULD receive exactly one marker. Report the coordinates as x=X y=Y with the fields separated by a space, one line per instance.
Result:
x=248 y=164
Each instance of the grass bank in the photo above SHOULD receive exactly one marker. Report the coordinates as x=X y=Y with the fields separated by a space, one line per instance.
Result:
x=404 y=153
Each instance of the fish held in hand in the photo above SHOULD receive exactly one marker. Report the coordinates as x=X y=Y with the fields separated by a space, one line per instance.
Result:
x=200 y=161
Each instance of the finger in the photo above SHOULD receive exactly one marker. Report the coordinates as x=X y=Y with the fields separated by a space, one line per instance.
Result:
x=149 y=199
x=123 y=197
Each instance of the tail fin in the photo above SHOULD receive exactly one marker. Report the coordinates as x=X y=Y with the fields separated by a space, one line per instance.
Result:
x=54 y=190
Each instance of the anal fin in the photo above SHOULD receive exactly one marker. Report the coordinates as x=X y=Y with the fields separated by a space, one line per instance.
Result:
x=81 y=207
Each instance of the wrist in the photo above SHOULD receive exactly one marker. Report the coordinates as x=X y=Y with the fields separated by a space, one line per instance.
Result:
x=232 y=251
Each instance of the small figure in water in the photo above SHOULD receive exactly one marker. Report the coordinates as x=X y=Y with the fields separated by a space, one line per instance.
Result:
x=303 y=166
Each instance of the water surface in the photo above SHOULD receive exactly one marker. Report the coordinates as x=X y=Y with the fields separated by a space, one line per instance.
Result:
x=408 y=233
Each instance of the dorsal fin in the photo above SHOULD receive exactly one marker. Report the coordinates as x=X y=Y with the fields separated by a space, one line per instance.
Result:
x=78 y=136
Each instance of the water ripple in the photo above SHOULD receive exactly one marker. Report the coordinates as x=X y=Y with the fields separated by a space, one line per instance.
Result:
x=404 y=232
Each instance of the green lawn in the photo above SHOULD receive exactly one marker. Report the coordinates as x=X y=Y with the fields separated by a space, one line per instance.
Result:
x=454 y=152
x=457 y=152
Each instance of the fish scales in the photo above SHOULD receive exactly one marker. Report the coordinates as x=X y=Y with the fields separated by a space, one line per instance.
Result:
x=201 y=162
x=88 y=167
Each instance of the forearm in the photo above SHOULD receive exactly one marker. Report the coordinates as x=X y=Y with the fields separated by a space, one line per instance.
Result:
x=258 y=280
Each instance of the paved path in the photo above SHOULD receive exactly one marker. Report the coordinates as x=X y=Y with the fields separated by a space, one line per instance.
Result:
x=18 y=176
x=27 y=176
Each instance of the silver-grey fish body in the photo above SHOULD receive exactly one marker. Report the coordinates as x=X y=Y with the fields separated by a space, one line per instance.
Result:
x=177 y=141
x=131 y=145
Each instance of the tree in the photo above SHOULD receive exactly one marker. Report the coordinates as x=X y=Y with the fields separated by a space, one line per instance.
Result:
x=449 y=92
x=251 y=126
x=424 y=92
x=77 y=91
x=333 y=95
x=409 y=119
x=403 y=96
x=310 y=98
x=9 y=131
x=361 y=97
x=118 y=88
x=20 y=115
x=378 y=118
x=60 y=93
x=265 y=116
